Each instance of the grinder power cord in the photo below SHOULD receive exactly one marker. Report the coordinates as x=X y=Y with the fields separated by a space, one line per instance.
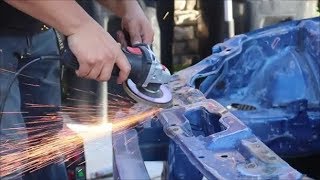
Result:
x=146 y=81
x=16 y=74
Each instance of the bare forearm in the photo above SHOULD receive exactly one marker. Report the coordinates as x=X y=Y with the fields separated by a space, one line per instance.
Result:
x=120 y=7
x=64 y=15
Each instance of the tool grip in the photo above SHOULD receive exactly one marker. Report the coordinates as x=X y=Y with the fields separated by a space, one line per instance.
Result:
x=138 y=57
x=70 y=60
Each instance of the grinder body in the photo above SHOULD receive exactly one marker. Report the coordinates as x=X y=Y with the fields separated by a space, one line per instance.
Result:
x=146 y=79
x=140 y=64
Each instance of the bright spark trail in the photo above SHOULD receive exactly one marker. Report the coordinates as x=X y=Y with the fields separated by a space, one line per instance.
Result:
x=48 y=144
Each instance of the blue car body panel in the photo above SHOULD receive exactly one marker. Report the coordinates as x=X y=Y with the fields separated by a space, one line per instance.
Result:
x=255 y=98
x=270 y=79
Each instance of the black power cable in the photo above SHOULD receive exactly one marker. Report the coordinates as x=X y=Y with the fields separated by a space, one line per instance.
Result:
x=6 y=92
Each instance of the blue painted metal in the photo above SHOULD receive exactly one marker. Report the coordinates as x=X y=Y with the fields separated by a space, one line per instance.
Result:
x=219 y=146
x=153 y=142
x=270 y=80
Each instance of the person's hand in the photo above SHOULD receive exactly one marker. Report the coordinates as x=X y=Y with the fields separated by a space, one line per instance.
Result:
x=97 y=52
x=137 y=25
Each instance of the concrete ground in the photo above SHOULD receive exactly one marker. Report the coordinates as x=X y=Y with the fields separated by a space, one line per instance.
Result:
x=154 y=169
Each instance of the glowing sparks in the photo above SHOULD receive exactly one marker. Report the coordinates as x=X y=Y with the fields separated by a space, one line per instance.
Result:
x=33 y=85
x=47 y=140
x=44 y=147
x=123 y=123
x=8 y=112
x=165 y=16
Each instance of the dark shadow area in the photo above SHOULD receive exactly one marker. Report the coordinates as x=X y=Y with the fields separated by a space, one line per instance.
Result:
x=204 y=123
x=212 y=17
x=165 y=11
x=306 y=165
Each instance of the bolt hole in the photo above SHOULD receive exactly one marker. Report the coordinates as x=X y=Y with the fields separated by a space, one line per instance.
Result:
x=228 y=49
x=272 y=158
x=173 y=124
x=201 y=157
x=251 y=165
x=224 y=156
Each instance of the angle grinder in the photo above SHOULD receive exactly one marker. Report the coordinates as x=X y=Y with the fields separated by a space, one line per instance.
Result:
x=147 y=79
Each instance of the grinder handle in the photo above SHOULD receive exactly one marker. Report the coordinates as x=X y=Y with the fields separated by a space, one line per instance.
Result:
x=70 y=60
x=138 y=57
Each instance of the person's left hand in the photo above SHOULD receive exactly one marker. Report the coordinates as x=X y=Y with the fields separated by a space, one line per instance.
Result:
x=137 y=25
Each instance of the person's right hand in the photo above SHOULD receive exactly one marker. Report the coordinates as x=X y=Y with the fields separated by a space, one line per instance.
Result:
x=97 y=52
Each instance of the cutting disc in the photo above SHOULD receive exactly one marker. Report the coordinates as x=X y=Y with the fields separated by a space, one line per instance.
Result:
x=161 y=98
